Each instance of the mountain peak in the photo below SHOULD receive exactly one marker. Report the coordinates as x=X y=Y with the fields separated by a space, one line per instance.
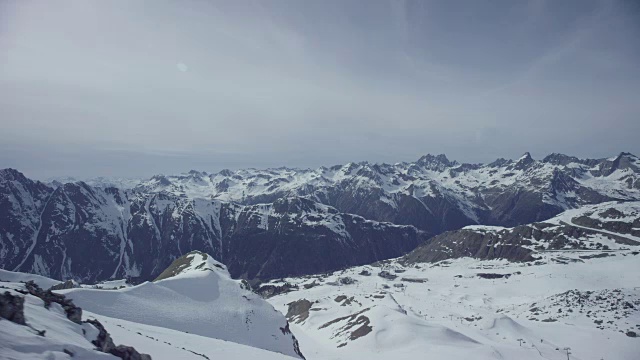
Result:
x=436 y=162
x=523 y=162
x=627 y=154
x=623 y=161
x=11 y=174
x=191 y=262
x=525 y=157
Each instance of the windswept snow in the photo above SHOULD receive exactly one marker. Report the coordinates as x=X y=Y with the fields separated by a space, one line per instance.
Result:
x=16 y=277
x=447 y=311
x=198 y=297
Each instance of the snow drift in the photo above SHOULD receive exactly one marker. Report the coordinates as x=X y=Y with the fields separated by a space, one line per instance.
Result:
x=196 y=295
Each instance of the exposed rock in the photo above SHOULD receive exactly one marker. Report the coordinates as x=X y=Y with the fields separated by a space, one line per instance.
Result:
x=595 y=256
x=298 y=310
x=128 y=353
x=69 y=284
x=360 y=322
x=311 y=285
x=267 y=291
x=177 y=266
x=73 y=312
x=296 y=346
x=364 y=272
x=493 y=276
x=520 y=243
x=346 y=280
x=387 y=275
x=12 y=308
x=340 y=298
x=104 y=343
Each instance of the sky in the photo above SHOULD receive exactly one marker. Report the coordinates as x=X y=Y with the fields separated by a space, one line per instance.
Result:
x=135 y=88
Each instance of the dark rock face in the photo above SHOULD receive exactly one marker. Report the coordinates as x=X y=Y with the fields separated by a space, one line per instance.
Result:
x=387 y=275
x=21 y=203
x=296 y=345
x=64 y=285
x=298 y=311
x=290 y=244
x=267 y=291
x=103 y=341
x=493 y=276
x=476 y=244
x=128 y=353
x=73 y=312
x=138 y=235
x=12 y=308
x=520 y=243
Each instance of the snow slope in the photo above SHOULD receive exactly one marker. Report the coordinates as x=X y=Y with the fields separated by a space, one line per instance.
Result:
x=447 y=311
x=167 y=344
x=16 y=277
x=21 y=342
x=195 y=295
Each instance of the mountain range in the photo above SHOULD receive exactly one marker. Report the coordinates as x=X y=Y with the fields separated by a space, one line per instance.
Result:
x=272 y=223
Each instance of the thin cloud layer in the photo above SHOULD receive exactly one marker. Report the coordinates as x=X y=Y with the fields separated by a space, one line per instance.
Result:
x=135 y=88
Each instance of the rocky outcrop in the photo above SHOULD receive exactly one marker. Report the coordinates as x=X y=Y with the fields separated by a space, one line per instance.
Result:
x=69 y=284
x=298 y=310
x=12 y=308
x=475 y=244
x=104 y=343
x=611 y=221
x=73 y=312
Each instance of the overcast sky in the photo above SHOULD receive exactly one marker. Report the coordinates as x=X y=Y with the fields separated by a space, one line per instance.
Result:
x=135 y=88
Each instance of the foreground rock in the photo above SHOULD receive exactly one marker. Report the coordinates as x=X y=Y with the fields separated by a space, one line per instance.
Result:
x=47 y=334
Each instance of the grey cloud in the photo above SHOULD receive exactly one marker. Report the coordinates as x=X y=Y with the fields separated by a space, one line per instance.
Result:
x=135 y=88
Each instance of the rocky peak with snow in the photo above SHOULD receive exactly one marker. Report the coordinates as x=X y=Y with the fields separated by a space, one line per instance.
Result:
x=436 y=162
x=191 y=263
x=523 y=162
x=196 y=294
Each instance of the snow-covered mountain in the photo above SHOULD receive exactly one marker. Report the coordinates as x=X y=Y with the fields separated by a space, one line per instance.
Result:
x=100 y=182
x=193 y=310
x=271 y=223
x=579 y=291
x=432 y=193
x=605 y=226
x=196 y=295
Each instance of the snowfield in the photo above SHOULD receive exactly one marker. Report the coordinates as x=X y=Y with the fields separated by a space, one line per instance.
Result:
x=447 y=311
x=453 y=309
